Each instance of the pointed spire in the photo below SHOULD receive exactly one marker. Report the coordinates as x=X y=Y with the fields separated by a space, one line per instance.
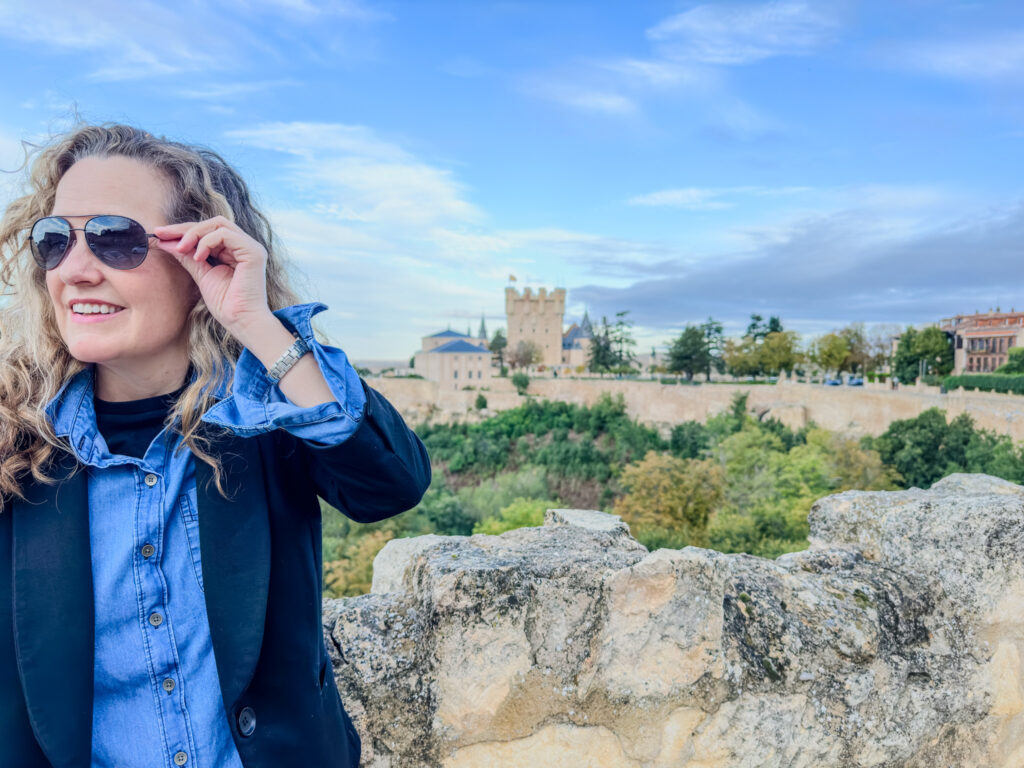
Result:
x=585 y=325
x=469 y=330
x=483 y=327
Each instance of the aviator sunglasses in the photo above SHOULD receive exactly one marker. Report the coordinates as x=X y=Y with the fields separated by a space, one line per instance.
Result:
x=117 y=241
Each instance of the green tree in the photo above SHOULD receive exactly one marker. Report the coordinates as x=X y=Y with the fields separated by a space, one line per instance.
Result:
x=689 y=440
x=829 y=352
x=520 y=381
x=859 y=349
x=741 y=357
x=623 y=341
x=1014 y=361
x=497 y=346
x=933 y=346
x=689 y=353
x=715 y=344
x=758 y=328
x=906 y=361
x=779 y=351
x=481 y=402
x=601 y=358
x=669 y=499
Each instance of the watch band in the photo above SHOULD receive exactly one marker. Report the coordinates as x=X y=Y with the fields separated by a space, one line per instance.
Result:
x=291 y=356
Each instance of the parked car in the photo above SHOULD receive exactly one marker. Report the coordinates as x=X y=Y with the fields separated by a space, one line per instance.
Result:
x=855 y=381
x=832 y=382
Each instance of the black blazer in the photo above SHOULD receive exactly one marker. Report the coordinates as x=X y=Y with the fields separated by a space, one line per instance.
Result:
x=262 y=575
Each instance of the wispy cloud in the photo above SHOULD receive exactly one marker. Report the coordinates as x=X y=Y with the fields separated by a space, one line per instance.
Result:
x=581 y=96
x=689 y=198
x=741 y=33
x=689 y=52
x=117 y=40
x=355 y=176
x=219 y=91
x=995 y=56
x=708 y=199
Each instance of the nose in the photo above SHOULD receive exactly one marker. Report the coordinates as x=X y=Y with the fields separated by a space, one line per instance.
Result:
x=81 y=264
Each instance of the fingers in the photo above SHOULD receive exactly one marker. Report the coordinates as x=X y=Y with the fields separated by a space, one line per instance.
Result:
x=214 y=236
x=190 y=232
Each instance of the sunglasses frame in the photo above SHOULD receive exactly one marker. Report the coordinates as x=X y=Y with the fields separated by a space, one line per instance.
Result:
x=67 y=248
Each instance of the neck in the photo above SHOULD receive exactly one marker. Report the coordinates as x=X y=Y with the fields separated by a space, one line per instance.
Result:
x=118 y=381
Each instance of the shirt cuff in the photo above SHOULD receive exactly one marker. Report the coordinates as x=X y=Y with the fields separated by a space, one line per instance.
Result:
x=256 y=403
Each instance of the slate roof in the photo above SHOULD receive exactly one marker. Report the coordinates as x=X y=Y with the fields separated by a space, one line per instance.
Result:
x=449 y=332
x=459 y=346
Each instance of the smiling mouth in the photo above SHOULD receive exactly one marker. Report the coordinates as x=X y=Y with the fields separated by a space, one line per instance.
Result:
x=88 y=310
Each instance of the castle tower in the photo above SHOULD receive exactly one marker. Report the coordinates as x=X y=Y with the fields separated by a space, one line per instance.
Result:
x=537 y=318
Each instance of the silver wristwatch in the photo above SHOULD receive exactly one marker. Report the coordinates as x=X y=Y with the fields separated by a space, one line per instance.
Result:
x=290 y=357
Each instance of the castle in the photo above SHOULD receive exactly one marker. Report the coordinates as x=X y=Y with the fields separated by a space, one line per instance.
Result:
x=457 y=360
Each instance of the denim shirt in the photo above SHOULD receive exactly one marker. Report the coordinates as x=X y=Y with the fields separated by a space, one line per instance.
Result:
x=157 y=697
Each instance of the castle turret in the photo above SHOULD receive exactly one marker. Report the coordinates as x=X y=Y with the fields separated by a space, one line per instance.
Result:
x=537 y=318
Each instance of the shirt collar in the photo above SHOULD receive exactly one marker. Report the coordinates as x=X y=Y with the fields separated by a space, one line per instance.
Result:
x=72 y=414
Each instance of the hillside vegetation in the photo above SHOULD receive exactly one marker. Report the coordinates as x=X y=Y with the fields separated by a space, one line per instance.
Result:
x=734 y=483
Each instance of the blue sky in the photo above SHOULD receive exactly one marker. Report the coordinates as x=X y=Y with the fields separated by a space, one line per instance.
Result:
x=829 y=162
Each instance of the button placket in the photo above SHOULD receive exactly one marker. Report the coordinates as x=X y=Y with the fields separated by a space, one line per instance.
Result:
x=180 y=758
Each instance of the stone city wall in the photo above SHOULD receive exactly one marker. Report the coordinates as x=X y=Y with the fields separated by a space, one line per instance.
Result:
x=864 y=410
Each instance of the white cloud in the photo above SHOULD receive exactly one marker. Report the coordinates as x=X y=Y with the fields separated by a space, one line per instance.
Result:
x=730 y=34
x=129 y=41
x=589 y=99
x=117 y=40
x=707 y=199
x=309 y=140
x=688 y=198
x=997 y=56
x=217 y=91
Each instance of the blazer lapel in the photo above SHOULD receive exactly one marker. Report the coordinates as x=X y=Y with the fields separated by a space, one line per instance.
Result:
x=53 y=613
x=234 y=542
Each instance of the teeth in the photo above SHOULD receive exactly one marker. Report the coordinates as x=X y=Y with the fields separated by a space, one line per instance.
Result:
x=92 y=309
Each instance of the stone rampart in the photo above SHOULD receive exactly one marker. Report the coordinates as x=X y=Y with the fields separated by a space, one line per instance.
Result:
x=854 y=410
x=895 y=641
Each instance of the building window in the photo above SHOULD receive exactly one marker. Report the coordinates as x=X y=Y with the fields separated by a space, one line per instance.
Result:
x=455 y=374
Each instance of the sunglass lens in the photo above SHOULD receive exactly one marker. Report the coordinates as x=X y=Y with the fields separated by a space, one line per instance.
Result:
x=118 y=241
x=50 y=237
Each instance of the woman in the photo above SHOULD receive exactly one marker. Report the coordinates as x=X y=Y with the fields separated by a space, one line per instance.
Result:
x=167 y=422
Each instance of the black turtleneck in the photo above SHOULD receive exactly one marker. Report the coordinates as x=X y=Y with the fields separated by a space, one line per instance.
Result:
x=129 y=426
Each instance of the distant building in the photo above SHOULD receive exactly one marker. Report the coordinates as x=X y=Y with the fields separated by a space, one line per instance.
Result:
x=454 y=359
x=576 y=343
x=982 y=341
x=538 y=317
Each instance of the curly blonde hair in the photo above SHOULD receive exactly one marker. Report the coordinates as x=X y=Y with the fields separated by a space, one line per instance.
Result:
x=34 y=360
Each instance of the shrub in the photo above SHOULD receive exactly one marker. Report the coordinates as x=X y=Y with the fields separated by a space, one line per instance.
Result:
x=521 y=513
x=481 y=402
x=987 y=382
x=520 y=381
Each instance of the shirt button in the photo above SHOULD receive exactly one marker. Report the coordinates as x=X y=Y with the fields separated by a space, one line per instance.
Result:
x=169 y=684
x=151 y=481
x=246 y=721
x=180 y=758
x=156 y=619
x=148 y=550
